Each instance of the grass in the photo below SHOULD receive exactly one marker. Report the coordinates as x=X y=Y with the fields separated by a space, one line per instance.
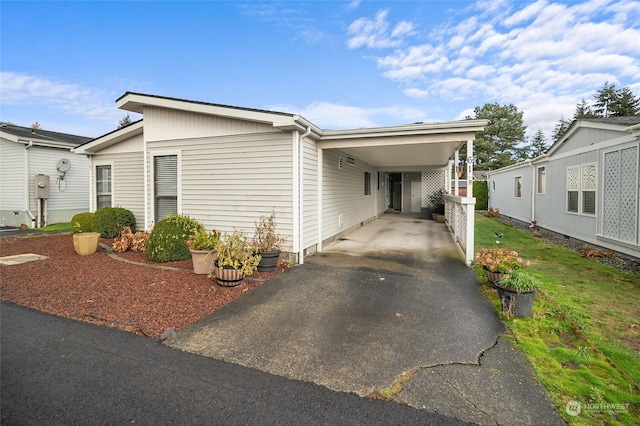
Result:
x=584 y=337
x=57 y=227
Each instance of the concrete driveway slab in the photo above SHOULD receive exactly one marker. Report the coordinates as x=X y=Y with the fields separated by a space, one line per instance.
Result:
x=393 y=297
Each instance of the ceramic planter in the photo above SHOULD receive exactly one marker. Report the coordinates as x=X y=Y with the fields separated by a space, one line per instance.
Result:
x=203 y=261
x=519 y=304
x=268 y=261
x=86 y=243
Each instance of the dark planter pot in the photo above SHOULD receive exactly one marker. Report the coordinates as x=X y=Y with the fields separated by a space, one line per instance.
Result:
x=492 y=277
x=518 y=304
x=268 y=261
x=426 y=212
x=227 y=276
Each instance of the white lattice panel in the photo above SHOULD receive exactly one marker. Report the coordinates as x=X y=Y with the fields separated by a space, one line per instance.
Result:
x=611 y=194
x=628 y=194
x=573 y=178
x=432 y=181
x=589 y=177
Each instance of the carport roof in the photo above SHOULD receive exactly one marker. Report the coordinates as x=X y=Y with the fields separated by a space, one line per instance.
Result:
x=396 y=148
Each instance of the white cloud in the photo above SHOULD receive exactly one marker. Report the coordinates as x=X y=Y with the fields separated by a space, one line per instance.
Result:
x=543 y=57
x=328 y=115
x=374 y=33
x=22 y=89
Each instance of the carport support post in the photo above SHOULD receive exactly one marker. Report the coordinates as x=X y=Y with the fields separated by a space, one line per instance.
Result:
x=471 y=207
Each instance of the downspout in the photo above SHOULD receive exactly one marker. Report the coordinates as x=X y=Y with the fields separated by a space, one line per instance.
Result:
x=27 y=199
x=533 y=191
x=301 y=195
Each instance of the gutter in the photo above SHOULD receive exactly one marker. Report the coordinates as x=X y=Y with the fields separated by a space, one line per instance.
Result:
x=533 y=190
x=27 y=199
x=301 y=194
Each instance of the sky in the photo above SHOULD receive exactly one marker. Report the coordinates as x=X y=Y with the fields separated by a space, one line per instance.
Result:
x=339 y=64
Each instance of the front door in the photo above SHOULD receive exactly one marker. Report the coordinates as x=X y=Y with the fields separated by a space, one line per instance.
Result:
x=416 y=196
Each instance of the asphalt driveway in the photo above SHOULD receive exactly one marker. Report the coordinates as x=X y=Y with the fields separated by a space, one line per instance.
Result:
x=391 y=303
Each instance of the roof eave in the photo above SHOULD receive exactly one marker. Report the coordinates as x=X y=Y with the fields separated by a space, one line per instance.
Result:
x=112 y=138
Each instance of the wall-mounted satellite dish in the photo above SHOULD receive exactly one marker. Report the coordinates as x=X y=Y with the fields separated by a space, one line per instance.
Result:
x=64 y=165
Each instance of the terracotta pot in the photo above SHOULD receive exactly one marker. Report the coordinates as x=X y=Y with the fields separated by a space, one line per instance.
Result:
x=86 y=243
x=203 y=261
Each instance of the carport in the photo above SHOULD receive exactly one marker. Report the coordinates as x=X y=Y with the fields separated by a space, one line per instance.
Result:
x=419 y=148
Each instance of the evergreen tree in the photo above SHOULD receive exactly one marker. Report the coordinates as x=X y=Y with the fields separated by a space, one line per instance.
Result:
x=604 y=97
x=124 y=122
x=583 y=110
x=497 y=145
x=625 y=103
x=561 y=128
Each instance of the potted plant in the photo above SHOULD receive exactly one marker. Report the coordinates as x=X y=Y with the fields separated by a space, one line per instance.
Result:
x=267 y=243
x=436 y=205
x=499 y=261
x=236 y=259
x=202 y=246
x=517 y=292
x=85 y=243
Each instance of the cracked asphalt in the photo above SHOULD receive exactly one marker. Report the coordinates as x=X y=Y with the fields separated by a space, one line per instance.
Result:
x=391 y=298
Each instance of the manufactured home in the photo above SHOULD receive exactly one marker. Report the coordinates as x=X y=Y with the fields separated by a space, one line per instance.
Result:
x=587 y=185
x=41 y=180
x=226 y=166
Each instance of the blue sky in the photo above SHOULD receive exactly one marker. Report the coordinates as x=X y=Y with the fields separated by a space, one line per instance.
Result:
x=339 y=64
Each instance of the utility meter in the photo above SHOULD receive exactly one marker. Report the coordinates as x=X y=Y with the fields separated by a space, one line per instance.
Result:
x=42 y=186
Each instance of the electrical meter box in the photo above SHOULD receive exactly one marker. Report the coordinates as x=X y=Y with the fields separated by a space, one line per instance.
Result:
x=42 y=186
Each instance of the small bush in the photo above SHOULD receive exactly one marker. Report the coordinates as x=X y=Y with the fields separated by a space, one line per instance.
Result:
x=82 y=222
x=110 y=221
x=166 y=241
x=481 y=194
x=129 y=241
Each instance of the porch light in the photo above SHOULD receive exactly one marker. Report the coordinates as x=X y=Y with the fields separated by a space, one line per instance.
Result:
x=459 y=171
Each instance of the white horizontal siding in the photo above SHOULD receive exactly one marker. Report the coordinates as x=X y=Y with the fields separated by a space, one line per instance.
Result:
x=230 y=181
x=585 y=137
x=343 y=194
x=310 y=199
x=128 y=182
x=12 y=170
x=66 y=197
x=162 y=124
x=503 y=196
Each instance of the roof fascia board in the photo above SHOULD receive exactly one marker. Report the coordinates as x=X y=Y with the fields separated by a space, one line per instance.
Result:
x=462 y=126
x=587 y=124
x=136 y=102
x=35 y=141
x=105 y=141
x=390 y=139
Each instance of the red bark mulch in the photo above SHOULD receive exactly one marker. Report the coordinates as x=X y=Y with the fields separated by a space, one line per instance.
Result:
x=98 y=289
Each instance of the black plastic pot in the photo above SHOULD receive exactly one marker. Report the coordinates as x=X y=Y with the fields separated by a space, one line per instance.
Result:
x=518 y=304
x=269 y=261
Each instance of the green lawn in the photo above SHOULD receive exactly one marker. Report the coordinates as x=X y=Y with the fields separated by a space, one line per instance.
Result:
x=58 y=227
x=584 y=337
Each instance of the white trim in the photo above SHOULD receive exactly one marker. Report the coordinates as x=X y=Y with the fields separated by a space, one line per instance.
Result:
x=320 y=200
x=161 y=153
x=94 y=183
x=295 y=188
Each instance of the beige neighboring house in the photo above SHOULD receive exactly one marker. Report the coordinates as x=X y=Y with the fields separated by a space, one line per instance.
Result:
x=41 y=180
x=226 y=166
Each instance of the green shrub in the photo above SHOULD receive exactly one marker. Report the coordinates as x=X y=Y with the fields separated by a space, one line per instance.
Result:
x=481 y=193
x=166 y=242
x=110 y=221
x=82 y=222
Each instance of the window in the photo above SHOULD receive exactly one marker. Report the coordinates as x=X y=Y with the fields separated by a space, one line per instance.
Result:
x=367 y=183
x=103 y=186
x=588 y=189
x=542 y=180
x=165 y=183
x=581 y=189
x=517 y=186
x=573 y=188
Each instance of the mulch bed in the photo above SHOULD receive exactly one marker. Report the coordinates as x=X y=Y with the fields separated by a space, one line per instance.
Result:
x=144 y=300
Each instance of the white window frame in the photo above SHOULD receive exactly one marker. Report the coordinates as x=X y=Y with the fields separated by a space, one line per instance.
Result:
x=94 y=198
x=541 y=178
x=579 y=187
x=517 y=186
x=152 y=192
x=583 y=168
